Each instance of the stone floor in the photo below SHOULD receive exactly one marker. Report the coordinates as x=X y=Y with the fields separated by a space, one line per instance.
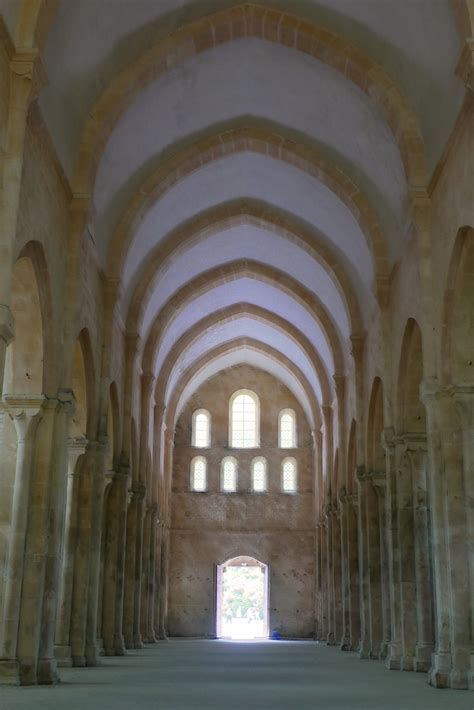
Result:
x=194 y=674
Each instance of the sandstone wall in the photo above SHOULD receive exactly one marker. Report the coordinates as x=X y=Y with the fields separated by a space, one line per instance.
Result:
x=209 y=528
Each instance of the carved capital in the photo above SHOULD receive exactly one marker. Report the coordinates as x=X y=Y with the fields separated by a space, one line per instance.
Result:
x=26 y=411
x=75 y=449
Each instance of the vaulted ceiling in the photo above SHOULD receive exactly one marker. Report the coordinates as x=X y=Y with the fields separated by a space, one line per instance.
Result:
x=249 y=167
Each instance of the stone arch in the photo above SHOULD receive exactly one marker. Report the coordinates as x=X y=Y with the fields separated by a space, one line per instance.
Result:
x=83 y=421
x=30 y=360
x=170 y=413
x=457 y=354
x=271 y=25
x=352 y=458
x=229 y=314
x=259 y=214
x=34 y=20
x=411 y=411
x=221 y=274
x=375 y=427
x=262 y=137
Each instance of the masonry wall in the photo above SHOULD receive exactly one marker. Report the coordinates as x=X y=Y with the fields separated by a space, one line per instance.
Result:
x=209 y=528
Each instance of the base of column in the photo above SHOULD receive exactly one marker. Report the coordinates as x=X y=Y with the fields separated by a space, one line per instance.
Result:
x=423 y=657
x=78 y=661
x=407 y=663
x=393 y=657
x=330 y=639
x=459 y=679
x=47 y=673
x=345 y=644
x=383 y=651
x=92 y=656
x=364 y=650
x=62 y=654
x=138 y=643
x=100 y=647
x=150 y=637
x=9 y=672
x=440 y=671
x=28 y=671
x=119 y=646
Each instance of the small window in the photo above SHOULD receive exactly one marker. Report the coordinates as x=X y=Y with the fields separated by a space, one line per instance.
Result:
x=201 y=429
x=244 y=420
x=229 y=475
x=259 y=475
x=287 y=429
x=289 y=476
x=199 y=474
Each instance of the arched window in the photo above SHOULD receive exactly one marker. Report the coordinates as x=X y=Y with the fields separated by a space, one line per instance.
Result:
x=244 y=417
x=289 y=476
x=287 y=429
x=229 y=475
x=199 y=474
x=201 y=428
x=259 y=475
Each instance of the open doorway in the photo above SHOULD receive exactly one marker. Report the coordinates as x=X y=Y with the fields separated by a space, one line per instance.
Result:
x=242 y=599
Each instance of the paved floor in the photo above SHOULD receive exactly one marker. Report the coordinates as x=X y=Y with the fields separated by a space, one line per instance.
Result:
x=218 y=675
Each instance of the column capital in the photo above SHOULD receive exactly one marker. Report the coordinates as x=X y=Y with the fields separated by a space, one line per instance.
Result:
x=75 y=448
x=26 y=412
x=169 y=435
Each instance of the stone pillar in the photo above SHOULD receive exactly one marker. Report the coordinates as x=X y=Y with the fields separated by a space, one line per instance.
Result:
x=47 y=664
x=144 y=589
x=424 y=590
x=129 y=576
x=350 y=576
x=76 y=448
x=114 y=565
x=140 y=492
x=370 y=566
x=406 y=545
x=157 y=601
x=394 y=653
x=379 y=484
x=119 y=643
x=441 y=660
x=337 y=572
x=151 y=585
x=82 y=560
x=99 y=484
x=353 y=554
x=36 y=550
x=331 y=635
x=364 y=648
x=323 y=528
x=26 y=413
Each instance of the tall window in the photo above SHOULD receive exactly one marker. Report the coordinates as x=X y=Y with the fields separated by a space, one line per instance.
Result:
x=229 y=475
x=287 y=429
x=244 y=418
x=199 y=474
x=259 y=475
x=289 y=483
x=201 y=428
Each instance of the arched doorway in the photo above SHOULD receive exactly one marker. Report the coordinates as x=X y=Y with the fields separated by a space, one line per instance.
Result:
x=242 y=599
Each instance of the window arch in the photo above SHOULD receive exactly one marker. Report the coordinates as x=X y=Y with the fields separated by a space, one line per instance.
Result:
x=259 y=475
x=199 y=474
x=244 y=420
x=201 y=437
x=229 y=475
x=287 y=429
x=289 y=475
